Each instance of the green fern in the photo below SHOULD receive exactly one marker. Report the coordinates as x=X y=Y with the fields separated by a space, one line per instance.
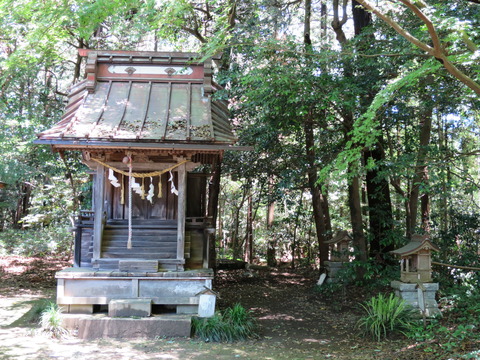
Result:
x=385 y=315
x=51 y=321
x=233 y=324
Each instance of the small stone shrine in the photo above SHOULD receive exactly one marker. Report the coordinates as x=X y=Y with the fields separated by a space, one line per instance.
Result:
x=415 y=285
x=339 y=254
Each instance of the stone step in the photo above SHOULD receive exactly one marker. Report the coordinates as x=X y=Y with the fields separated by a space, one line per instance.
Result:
x=113 y=263
x=135 y=254
x=101 y=326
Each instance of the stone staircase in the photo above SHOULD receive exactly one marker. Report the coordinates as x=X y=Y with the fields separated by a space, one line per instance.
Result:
x=151 y=241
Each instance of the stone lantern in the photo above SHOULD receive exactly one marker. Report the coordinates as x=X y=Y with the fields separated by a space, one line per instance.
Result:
x=339 y=248
x=415 y=285
x=416 y=263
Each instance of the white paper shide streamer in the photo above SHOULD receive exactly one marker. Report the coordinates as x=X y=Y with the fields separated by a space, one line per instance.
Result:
x=151 y=191
x=113 y=179
x=173 y=189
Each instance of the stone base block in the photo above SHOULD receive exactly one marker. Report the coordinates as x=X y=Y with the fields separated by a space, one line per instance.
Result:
x=100 y=326
x=130 y=308
x=77 y=309
x=410 y=293
x=187 y=309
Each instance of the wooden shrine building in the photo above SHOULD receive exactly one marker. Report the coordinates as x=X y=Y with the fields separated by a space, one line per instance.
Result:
x=144 y=121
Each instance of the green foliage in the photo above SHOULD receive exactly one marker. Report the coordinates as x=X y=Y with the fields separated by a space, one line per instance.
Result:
x=232 y=324
x=374 y=274
x=457 y=330
x=53 y=240
x=459 y=245
x=51 y=321
x=385 y=315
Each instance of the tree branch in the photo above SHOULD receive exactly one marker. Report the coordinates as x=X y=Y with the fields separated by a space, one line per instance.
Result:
x=195 y=33
x=437 y=45
x=437 y=51
x=337 y=24
x=398 y=189
x=397 y=27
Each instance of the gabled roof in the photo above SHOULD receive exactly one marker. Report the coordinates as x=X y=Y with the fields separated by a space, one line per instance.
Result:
x=341 y=235
x=141 y=98
x=418 y=243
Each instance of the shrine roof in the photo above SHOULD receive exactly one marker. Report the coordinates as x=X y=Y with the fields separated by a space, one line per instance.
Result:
x=341 y=235
x=140 y=98
x=415 y=246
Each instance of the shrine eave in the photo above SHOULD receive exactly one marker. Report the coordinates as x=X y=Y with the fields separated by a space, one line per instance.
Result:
x=97 y=144
x=415 y=246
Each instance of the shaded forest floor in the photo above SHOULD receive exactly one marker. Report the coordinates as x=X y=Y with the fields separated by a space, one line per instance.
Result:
x=296 y=321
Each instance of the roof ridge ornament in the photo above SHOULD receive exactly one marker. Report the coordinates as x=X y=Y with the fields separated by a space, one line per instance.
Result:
x=130 y=70
x=91 y=71
x=170 y=71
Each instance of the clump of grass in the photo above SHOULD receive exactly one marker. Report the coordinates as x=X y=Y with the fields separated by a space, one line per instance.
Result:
x=232 y=324
x=385 y=315
x=51 y=321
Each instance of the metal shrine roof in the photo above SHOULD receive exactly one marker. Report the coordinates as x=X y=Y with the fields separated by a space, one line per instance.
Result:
x=142 y=98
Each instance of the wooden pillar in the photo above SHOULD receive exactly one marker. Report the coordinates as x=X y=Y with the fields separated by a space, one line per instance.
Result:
x=182 y=202
x=99 y=194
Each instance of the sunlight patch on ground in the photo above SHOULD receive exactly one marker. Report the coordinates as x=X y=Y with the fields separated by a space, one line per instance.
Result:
x=11 y=309
x=15 y=264
x=279 y=317
x=318 y=341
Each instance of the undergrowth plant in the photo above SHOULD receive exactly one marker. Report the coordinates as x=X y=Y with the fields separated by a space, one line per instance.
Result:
x=232 y=324
x=458 y=329
x=51 y=321
x=385 y=315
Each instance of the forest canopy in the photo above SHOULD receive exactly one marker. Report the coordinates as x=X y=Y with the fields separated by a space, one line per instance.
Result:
x=363 y=117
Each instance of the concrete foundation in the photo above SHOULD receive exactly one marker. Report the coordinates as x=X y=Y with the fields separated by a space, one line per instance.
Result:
x=410 y=293
x=90 y=327
x=79 y=289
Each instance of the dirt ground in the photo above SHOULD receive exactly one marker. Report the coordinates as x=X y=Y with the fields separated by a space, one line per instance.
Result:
x=295 y=321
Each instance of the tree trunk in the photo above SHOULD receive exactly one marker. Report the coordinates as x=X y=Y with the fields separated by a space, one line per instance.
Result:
x=326 y=215
x=425 y=208
x=23 y=204
x=294 y=241
x=379 y=205
x=356 y=219
x=317 y=197
x=272 y=241
x=421 y=166
x=249 y=230
x=361 y=18
x=236 y=244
